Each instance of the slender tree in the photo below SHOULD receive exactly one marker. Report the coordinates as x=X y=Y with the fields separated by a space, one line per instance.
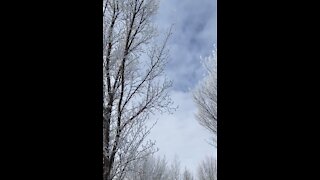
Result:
x=175 y=171
x=133 y=82
x=208 y=169
x=150 y=168
x=187 y=175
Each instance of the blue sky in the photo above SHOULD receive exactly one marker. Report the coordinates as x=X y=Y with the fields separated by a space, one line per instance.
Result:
x=194 y=35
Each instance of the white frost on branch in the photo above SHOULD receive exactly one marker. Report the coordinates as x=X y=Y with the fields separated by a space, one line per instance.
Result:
x=205 y=95
x=133 y=87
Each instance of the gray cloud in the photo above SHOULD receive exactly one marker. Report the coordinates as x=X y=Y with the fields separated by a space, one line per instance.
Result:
x=194 y=36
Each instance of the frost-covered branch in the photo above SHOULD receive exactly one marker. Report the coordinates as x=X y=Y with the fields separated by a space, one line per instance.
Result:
x=134 y=85
x=205 y=96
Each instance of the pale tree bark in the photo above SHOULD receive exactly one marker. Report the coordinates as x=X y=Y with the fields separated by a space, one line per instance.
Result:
x=133 y=67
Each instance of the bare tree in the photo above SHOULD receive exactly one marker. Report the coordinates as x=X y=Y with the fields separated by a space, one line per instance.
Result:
x=150 y=168
x=175 y=172
x=133 y=86
x=208 y=169
x=187 y=175
x=205 y=96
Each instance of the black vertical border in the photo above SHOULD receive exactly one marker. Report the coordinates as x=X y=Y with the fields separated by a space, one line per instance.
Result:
x=53 y=90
